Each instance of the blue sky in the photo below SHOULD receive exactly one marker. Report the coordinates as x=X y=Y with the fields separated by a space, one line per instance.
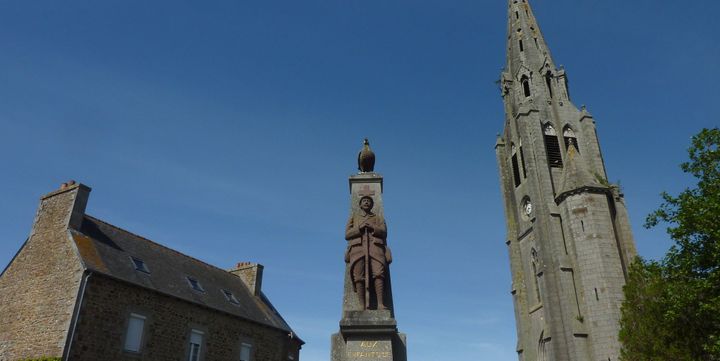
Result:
x=227 y=130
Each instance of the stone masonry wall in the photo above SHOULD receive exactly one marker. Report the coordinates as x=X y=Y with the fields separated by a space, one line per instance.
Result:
x=107 y=304
x=39 y=287
x=600 y=273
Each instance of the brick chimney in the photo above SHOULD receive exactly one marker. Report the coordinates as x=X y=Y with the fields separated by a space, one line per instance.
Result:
x=64 y=207
x=251 y=274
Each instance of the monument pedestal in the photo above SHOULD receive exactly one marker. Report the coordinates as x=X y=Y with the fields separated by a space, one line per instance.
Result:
x=369 y=335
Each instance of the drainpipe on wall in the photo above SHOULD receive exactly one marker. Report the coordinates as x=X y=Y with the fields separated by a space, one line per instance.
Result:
x=76 y=315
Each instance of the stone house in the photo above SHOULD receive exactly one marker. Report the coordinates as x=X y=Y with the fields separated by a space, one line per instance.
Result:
x=83 y=289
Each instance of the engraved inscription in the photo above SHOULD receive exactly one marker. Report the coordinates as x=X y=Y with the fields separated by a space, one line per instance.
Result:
x=369 y=350
x=370 y=354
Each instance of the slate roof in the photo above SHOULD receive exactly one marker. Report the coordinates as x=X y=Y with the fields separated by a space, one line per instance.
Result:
x=107 y=249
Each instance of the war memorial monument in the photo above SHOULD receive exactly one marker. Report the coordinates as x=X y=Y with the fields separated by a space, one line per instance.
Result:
x=368 y=330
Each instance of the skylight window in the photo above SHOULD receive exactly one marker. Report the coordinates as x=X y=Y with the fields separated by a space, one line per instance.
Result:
x=230 y=297
x=140 y=265
x=195 y=284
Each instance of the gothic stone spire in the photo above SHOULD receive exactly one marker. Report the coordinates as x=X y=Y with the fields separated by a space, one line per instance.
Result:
x=526 y=45
x=530 y=75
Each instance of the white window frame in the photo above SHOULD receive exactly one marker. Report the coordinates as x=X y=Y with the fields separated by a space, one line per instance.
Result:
x=196 y=356
x=250 y=347
x=138 y=339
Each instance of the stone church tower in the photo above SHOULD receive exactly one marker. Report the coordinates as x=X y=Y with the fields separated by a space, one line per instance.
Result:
x=568 y=233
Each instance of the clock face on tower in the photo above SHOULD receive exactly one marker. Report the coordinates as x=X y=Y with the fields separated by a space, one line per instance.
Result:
x=527 y=207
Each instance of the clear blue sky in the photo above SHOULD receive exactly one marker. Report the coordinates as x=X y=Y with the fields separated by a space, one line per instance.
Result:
x=227 y=130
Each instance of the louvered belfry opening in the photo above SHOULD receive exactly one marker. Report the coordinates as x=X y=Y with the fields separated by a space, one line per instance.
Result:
x=552 y=147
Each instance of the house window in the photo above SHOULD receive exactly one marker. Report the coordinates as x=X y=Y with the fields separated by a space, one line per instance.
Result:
x=133 y=337
x=196 y=338
x=140 y=265
x=230 y=297
x=195 y=284
x=552 y=146
x=245 y=351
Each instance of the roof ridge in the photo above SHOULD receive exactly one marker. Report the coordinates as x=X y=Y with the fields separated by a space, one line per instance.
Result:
x=159 y=244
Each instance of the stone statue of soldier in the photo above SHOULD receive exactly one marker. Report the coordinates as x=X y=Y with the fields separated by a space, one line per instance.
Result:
x=366 y=234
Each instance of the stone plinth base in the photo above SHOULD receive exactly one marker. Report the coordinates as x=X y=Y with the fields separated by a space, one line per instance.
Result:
x=368 y=336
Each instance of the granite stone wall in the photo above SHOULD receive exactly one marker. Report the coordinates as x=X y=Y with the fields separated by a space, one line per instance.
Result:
x=39 y=287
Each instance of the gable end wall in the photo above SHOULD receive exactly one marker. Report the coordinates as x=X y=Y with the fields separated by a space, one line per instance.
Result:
x=39 y=288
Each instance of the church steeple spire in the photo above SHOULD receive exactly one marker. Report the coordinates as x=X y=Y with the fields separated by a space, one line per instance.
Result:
x=526 y=44
x=530 y=76
x=569 y=238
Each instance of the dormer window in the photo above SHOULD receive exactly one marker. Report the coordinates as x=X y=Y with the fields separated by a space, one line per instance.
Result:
x=195 y=284
x=140 y=265
x=230 y=297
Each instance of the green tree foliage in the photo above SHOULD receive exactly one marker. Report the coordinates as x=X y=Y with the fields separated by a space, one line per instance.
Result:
x=672 y=307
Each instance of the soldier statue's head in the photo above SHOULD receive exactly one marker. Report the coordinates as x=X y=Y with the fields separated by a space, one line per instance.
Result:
x=366 y=203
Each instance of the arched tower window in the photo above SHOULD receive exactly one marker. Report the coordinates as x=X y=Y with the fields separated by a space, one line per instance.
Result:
x=548 y=82
x=569 y=136
x=552 y=146
x=525 y=81
x=515 y=165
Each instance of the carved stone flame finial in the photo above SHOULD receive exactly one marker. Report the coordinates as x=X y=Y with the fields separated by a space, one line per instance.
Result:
x=366 y=158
